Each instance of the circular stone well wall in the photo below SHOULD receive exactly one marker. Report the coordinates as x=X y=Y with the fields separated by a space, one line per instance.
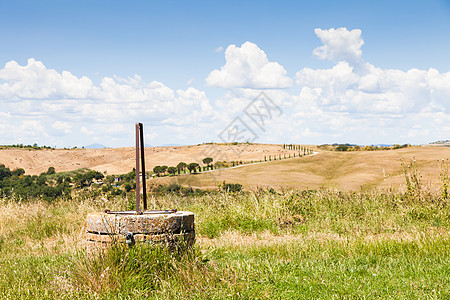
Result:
x=174 y=230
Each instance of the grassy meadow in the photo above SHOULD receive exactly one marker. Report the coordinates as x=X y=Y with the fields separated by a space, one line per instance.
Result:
x=261 y=244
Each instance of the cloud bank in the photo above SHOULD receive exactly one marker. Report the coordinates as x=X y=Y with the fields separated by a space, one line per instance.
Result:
x=351 y=101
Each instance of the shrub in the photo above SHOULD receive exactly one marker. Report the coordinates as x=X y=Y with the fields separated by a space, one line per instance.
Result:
x=230 y=187
x=342 y=148
x=127 y=187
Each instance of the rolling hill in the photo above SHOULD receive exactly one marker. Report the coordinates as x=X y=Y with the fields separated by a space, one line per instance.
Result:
x=341 y=170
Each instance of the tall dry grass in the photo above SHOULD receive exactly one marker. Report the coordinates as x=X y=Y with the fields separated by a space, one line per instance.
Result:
x=263 y=244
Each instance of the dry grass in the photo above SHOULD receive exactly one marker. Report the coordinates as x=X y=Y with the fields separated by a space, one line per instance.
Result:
x=237 y=239
x=295 y=244
x=341 y=170
x=122 y=160
x=42 y=228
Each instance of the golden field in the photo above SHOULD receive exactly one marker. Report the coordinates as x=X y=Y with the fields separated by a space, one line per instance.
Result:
x=342 y=170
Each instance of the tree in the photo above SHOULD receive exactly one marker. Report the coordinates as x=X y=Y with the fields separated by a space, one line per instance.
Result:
x=157 y=170
x=181 y=167
x=18 y=172
x=41 y=180
x=164 y=169
x=81 y=179
x=127 y=187
x=4 y=172
x=51 y=171
x=95 y=175
x=109 y=179
x=207 y=161
x=192 y=167
x=172 y=170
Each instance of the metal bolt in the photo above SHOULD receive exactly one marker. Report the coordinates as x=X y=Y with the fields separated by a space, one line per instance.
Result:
x=129 y=239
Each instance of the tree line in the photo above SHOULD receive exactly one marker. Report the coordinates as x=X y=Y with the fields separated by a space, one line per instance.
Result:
x=194 y=167
x=35 y=146
x=352 y=147
x=183 y=167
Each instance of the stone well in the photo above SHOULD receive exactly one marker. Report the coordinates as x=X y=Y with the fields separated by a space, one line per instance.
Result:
x=173 y=229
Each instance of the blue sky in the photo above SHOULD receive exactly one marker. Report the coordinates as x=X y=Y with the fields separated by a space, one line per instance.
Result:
x=72 y=65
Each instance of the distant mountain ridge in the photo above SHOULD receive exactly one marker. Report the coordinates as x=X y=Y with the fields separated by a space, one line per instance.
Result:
x=95 y=146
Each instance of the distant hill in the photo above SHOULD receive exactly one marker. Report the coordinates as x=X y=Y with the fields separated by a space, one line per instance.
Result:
x=170 y=145
x=335 y=169
x=95 y=146
x=122 y=160
x=163 y=145
x=441 y=143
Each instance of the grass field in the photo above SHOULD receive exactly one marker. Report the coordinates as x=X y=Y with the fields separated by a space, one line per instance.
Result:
x=293 y=245
x=342 y=170
x=302 y=239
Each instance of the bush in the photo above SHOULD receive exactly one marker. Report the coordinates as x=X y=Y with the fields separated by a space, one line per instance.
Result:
x=342 y=148
x=175 y=189
x=127 y=187
x=231 y=187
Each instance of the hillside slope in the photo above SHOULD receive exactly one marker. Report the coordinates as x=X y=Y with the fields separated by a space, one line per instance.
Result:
x=341 y=170
x=122 y=160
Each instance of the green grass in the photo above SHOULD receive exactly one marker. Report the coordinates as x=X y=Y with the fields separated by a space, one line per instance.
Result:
x=339 y=270
x=386 y=269
x=322 y=244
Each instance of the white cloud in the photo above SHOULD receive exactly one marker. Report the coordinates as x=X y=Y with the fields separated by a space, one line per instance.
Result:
x=62 y=126
x=248 y=67
x=61 y=101
x=351 y=101
x=86 y=131
x=35 y=81
x=17 y=131
x=151 y=136
x=46 y=92
x=341 y=88
x=219 y=49
x=339 y=45
x=365 y=89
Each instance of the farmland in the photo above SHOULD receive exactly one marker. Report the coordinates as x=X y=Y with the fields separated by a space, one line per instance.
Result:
x=342 y=170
